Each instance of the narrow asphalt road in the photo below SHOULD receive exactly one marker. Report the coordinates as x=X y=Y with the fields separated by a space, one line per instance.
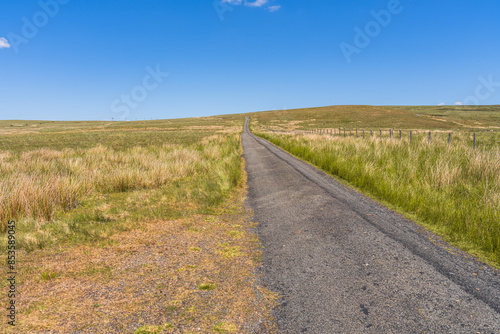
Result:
x=345 y=264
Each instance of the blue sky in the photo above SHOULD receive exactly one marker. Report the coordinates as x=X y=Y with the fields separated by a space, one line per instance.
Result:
x=136 y=59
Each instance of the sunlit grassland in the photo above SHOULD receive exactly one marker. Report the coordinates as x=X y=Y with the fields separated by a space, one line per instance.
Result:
x=115 y=218
x=454 y=190
x=449 y=118
x=46 y=182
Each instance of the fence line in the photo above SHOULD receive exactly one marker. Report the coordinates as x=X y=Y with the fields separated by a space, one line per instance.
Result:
x=349 y=133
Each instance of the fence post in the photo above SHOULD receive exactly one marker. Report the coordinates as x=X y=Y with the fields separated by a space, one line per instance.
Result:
x=371 y=133
x=363 y=133
x=350 y=132
x=475 y=140
x=429 y=137
x=344 y=132
x=390 y=133
x=400 y=135
x=380 y=134
x=411 y=135
x=356 y=133
x=449 y=139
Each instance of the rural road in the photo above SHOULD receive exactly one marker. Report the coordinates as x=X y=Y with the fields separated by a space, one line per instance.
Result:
x=345 y=264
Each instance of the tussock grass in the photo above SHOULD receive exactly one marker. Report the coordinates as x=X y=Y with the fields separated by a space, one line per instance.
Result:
x=38 y=186
x=453 y=188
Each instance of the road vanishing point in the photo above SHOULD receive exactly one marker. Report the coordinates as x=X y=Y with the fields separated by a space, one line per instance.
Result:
x=345 y=264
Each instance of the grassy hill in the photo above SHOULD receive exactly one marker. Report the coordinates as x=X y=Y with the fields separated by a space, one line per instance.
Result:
x=385 y=117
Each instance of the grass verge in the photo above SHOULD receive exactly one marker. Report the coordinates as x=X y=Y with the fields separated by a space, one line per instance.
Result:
x=454 y=190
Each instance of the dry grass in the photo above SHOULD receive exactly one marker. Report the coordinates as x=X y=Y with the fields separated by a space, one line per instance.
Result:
x=35 y=184
x=148 y=281
x=118 y=230
x=383 y=117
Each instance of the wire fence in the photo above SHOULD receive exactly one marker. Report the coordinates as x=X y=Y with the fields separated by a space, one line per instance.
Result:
x=486 y=139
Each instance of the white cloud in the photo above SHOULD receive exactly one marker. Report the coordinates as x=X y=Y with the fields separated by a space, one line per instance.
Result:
x=252 y=3
x=257 y=3
x=4 y=43
x=459 y=103
x=441 y=104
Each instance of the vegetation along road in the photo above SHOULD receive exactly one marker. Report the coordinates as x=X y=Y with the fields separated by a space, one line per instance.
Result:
x=345 y=264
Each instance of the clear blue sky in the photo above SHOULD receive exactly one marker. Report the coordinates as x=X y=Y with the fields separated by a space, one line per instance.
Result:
x=92 y=60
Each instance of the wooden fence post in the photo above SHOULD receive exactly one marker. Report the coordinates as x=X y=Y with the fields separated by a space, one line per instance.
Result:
x=475 y=140
x=429 y=137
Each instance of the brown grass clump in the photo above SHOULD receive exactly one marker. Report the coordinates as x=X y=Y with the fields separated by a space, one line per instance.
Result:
x=37 y=183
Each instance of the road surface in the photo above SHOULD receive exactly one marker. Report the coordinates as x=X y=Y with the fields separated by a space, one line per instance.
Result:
x=345 y=264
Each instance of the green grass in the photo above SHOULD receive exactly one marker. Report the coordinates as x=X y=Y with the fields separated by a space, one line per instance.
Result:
x=85 y=181
x=224 y=327
x=48 y=275
x=153 y=329
x=454 y=190
x=207 y=286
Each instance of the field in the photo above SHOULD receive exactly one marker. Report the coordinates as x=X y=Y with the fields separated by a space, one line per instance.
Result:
x=130 y=227
x=141 y=226
x=454 y=190
x=375 y=117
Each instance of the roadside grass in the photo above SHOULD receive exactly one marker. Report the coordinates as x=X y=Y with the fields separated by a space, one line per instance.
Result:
x=119 y=223
x=454 y=190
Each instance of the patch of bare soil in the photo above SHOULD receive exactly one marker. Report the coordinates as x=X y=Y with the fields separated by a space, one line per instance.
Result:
x=194 y=275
